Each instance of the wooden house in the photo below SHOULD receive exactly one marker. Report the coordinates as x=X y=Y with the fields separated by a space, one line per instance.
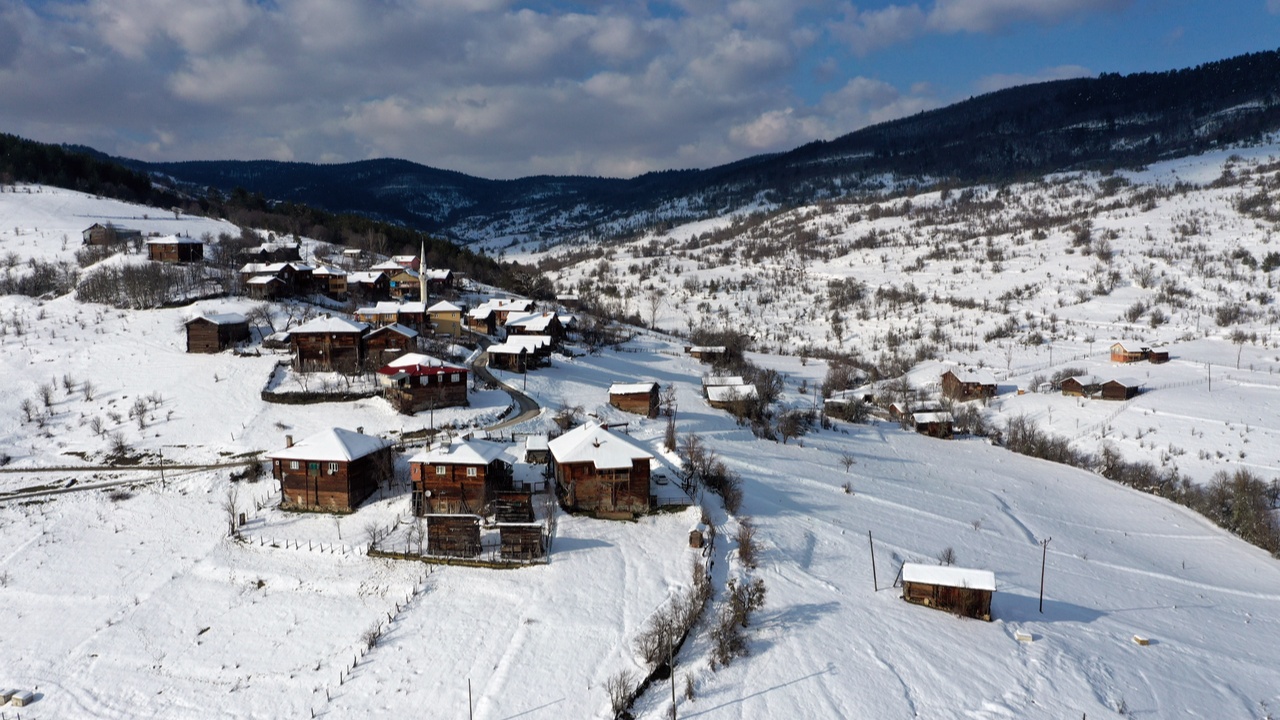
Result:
x=1158 y=356
x=640 y=398
x=215 y=333
x=402 y=283
x=967 y=384
x=266 y=287
x=273 y=252
x=446 y=318
x=543 y=323
x=724 y=397
x=389 y=342
x=99 y=234
x=1123 y=352
x=330 y=281
x=175 y=249
x=482 y=320
x=333 y=470
x=439 y=280
x=368 y=286
x=328 y=344
x=380 y=314
x=453 y=535
x=707 y=353
x=1120 y=389
x=410 y=262
x=933 y=424
x=963 y=591
x=601 y=471
x=513 y=358
x=414 y=382
x=462 y=477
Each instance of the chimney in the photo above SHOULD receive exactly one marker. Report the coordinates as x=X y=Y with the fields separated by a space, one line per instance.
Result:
x=360 y=429
x=288 y=441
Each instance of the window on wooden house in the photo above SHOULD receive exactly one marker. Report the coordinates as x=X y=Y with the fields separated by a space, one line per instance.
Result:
x=333 y=468
x=293 y=464
x=442 y=470
x=455 y=377
x=471 y=472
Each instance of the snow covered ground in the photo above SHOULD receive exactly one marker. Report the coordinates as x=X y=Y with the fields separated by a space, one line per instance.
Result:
x=136 y=604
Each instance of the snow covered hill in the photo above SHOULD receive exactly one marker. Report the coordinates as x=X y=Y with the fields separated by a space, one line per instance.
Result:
x=129 y=601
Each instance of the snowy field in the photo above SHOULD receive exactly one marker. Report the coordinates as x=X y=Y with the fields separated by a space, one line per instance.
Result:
x=135 y=604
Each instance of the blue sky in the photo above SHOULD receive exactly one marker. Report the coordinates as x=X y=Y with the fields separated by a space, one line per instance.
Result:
x=505 y=89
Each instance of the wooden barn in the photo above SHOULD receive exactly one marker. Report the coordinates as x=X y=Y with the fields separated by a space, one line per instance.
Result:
x=1123 y=352
x=334 y=470
x=439 y=280
x=415 y=382
x=1120 y=389
x=535 y=449
x=724 y=397
x=99 y=234
x=967 y=384
x=639 y=398
x=933 y=424
x=462 y=477
x=963 y=591
x=522 y=541
x=1158 y=356
x=328 y=344
x=390 y=342
x=215 y=333
x=175 y=249
x=453 y=535
x=369 y=285
x=601 y=471
x=1081 y=386
x=265 y=287
x=544 y=323
x=707 y=353
x=710 y=381
x=513 y=358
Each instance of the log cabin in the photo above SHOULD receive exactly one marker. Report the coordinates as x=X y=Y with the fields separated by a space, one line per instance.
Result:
x=215 y=333
x=933 y=424
x=963 y=591
x=328 y=344
x=724 y=397
x=1120 y=389
x=1123 y=352
x=453 y=535
x=601 y=471
x=640 y=398
x=461 y=477
x=99 y=234
x=330 y=281
x=1081 y=386
x=334 y=470
x=522 y=541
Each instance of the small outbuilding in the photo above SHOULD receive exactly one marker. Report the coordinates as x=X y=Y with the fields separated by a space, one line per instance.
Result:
x=963 y=591
x=1120 y=389
x=707 y=353
x=215 y=333
x=640 y=398
x=175 y=249
x=521 y=541
x=1081 y=386
x=453 y=535
x=933 y=424
x=723 y=397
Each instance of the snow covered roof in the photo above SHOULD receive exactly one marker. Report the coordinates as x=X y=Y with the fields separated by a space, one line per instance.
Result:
x=537 y=322
x=329 y=270
x=221 y=319
x=974 y=376
x=1085 y=379
x=385 y=307
x=329 y=324
x=172 y=239
x=437 y=273
x=729 y=393
x=707 y=349
x=389 y=265
x=535 y=442
x=365 y=277
x=397 y=328
x=712 y=380
x=462 y=452
x=632 y=388
x=595 y=444
x=1129 y=346
x=332 y=445
x=927 y=418
x=1124 y=382
x=262 y=280
x=444 y=306
x=529 y=342
x=949 y=576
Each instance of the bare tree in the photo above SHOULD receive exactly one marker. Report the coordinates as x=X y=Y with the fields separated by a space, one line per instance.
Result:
x=655 y=299
x=231 y=508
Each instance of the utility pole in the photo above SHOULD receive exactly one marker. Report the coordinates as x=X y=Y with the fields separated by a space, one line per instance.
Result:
x=874 y=583
x=1044 y=545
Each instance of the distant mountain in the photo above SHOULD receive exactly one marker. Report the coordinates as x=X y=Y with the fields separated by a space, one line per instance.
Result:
x=1087 y=123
